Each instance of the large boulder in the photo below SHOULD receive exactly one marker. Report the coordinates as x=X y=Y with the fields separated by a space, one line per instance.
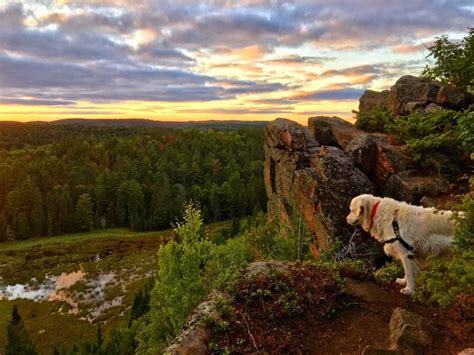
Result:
x=286 y=134
x=453 y=98
x=389 y=160
x=333 y=130
x=409 y=89
x=362 y=149
x=316 y=184
x=371 y=100
x=372 y=153
x=411 y=187
x=413 y=94
x=408 y=332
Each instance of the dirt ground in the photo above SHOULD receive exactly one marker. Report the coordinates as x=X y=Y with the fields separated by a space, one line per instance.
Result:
x=304 y=312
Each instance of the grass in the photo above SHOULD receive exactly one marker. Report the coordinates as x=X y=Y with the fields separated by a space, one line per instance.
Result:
x=131 y=256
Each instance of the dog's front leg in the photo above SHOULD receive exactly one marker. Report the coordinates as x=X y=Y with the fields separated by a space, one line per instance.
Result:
x=411 y=272
x=401 y=281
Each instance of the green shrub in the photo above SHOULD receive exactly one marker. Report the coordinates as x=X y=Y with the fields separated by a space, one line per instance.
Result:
x=179 y=285
x=389 y=272
x=436 y=140
x=464 y=233
x=273 y=240
x=226 y=261
x=373 y=121
x=453 y=61
x=446 y=279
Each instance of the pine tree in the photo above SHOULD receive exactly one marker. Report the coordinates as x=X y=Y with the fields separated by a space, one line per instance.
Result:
x=18 y=340
x=84 y=214
x=235 y=227
x=99 y=339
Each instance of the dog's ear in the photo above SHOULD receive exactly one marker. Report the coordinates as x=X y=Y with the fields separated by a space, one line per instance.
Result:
x=360 y=207
x=364 y=209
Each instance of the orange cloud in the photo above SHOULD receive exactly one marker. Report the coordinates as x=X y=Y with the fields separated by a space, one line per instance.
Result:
x=250 y=52
x=411 y=48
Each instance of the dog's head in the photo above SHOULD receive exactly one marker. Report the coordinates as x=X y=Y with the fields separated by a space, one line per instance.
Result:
x=360 y=210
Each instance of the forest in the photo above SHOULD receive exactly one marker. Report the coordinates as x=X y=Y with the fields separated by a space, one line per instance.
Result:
x=63 y=179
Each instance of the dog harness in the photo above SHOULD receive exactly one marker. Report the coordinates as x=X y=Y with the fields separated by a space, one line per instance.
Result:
x=396 y=229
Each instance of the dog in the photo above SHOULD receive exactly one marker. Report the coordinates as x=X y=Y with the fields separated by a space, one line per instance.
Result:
x=409 y=233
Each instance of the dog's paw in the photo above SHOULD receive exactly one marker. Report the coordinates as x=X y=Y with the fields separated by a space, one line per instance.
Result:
x=406 y=291
x=402 y=282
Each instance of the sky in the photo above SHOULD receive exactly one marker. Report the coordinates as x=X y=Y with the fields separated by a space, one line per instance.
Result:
x=182 y=60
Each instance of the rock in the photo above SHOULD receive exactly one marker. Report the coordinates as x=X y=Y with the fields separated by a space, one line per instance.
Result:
x=362 y=149
x=372 y=350
x=286 y=134
x=367 y=291
x=316 y=184
x=453 y=98
x=413 y=106
x=389 y=160
x=194 y=335
x=411 y=89
x=333 y=131
x=409 y=187
x=413 y=94
x=265 y=267
x=373 y=99
x=426 y=201
x=408 y=332
x=432 y=108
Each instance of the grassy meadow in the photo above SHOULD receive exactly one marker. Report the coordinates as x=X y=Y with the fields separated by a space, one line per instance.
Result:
x=114 y=265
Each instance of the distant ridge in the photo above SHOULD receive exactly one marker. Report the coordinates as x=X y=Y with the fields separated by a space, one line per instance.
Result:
x=151 y=123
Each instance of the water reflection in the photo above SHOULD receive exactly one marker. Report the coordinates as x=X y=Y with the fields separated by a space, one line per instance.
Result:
x=90 y=296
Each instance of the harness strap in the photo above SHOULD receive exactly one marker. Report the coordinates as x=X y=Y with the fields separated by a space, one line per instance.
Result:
x=398 y=237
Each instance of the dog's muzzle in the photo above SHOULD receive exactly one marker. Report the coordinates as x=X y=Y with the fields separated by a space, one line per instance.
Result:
x=352 y=222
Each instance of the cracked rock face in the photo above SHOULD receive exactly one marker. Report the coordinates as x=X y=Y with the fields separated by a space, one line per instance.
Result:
x=412 y=94
x=316 y=183
x=313 y=173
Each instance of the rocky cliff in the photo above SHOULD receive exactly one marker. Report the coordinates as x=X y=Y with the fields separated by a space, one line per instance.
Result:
x=313 y=172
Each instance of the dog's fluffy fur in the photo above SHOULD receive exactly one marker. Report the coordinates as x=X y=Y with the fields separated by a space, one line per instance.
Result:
x=429 y=231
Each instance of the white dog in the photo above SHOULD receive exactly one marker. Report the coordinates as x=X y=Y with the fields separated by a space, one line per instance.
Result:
x=409 y=233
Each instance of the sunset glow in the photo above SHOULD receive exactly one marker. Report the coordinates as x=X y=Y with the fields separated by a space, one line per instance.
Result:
x=219 y=59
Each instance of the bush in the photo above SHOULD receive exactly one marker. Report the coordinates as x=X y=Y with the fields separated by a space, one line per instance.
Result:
x=226 y=261
x=272 y=240
x=436 y=140
x=179 y=285
x=453 y=61
x=373 y=121
x=389 y=272
x=447 y=279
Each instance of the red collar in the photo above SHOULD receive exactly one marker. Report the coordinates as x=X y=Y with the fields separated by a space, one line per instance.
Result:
x=374 y=212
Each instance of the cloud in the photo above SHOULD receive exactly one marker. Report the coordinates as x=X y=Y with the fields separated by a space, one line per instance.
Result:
x=239 y=111
x=354 y=71
x=411 y=48
x=65 y=51
x=104 y=83
x=295 y=59
x=330 y=94
x=34 y=102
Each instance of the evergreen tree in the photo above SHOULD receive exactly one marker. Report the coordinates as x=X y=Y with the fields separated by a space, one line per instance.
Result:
x=84 y=215
x=18 y=340
x=99 y=339
x=235 y=227
x=179 y=286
